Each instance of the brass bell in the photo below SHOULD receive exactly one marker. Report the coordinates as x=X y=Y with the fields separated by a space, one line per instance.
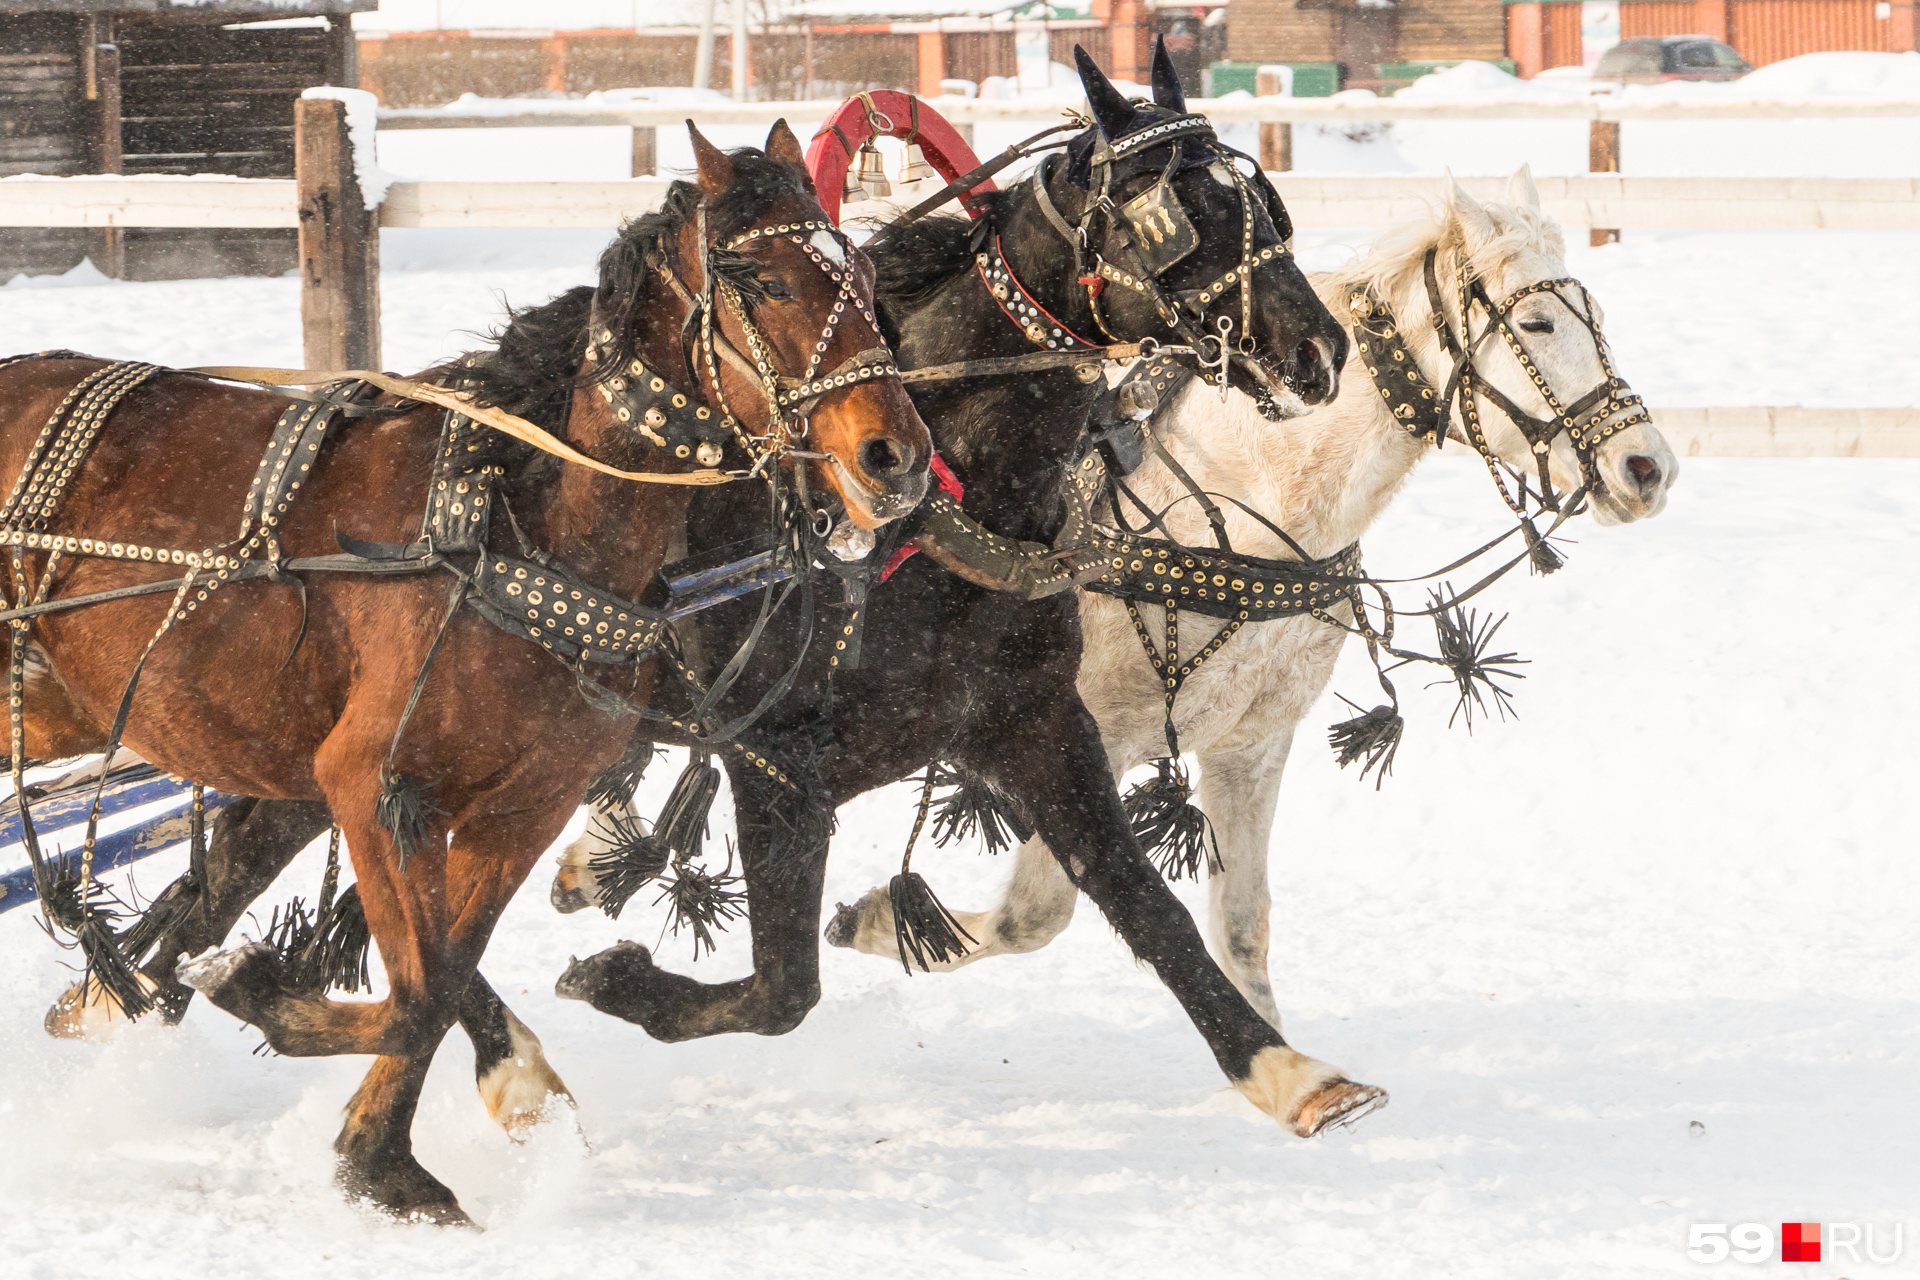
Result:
x=850 y=188
x=873 y=175
x=708 y=453
x=916 y=167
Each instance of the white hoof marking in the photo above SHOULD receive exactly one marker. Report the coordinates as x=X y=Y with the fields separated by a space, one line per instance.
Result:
x=519 y=1091
x=1306 y=1095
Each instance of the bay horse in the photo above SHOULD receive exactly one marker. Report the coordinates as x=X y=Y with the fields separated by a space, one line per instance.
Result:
x=745 y=313
x=1323 y=478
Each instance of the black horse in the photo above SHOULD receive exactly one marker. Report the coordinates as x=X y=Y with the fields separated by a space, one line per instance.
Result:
x=953 y=671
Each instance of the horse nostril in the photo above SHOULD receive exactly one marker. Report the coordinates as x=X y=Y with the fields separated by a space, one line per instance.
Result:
x=882 y=459
x=1644 y=470
x=1307 y=357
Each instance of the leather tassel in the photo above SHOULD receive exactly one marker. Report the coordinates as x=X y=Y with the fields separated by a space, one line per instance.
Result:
x=633 y=857
x=1373 y=736
x=683 y=819
x=1171 y=829
x=1464 y=638
x=1543 y=557
x=922 y=927
x=404 y=811
x=974 y=805
x=703 y=902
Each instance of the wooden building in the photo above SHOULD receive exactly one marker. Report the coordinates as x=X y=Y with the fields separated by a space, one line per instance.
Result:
x=156 y=87
x=1362 y=35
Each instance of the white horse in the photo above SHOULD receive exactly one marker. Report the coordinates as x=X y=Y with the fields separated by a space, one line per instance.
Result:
x=1323 y=478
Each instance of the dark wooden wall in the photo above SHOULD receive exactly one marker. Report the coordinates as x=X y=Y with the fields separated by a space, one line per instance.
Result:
x=192 y=98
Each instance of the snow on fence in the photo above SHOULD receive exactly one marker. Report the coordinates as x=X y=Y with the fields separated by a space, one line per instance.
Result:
x=339 y=247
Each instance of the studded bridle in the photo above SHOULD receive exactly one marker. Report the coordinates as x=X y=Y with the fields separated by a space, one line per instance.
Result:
x=1156 y=233
x=678 y=420
x=1588 y=421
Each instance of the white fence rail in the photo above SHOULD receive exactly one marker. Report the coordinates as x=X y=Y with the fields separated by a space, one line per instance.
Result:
x=1593 y=200
x=1269 y=110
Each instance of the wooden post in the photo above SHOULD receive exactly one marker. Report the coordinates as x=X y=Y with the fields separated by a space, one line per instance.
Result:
x=1603 y=156
x=343 y=54
x=339 y=243
x=644 y=153
x=1276 y=136
x=102 y=59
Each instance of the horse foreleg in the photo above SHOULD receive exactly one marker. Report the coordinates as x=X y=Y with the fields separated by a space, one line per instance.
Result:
x=1050 y=759
x=1239 y=789
x=485 y=864
x=1037 y=906
x=784 y=915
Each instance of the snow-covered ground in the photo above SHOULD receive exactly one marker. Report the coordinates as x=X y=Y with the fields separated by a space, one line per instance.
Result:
x=1681 y=888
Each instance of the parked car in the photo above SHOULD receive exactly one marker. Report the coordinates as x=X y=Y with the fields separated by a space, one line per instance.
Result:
x=1656 y=59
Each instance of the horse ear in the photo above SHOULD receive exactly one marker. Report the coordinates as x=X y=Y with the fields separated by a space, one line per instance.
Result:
x=716 y=170
x=783 y=146
x=1113 y=112
x=1520 y=189
x=1166 y=81
x=1475 y=224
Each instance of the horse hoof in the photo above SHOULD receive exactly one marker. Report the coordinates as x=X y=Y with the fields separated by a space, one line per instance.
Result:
x=1336 y=1106
x=586 y=978
x=844 y=927
x=212 y=970
x=405 y=1192
x=83 y=1012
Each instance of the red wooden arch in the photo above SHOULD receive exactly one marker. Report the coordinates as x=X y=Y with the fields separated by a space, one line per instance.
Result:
x=946 y=150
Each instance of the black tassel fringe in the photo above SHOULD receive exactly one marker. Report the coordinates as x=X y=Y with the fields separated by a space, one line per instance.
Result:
x=974 y=805
x=90 y=918
x=1464 y=638
x=162 y=916
x=405 y=810
x=922 y=927
x=1543 y=557
x=324 y=950
x=1171 y=829
x=683 y=819
x=614 y=785
x=703 y=902
x=633 y=857
x=1373 y=736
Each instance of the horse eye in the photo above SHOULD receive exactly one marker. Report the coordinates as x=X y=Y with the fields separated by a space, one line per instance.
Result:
x=1537 y=326
x=776 y=289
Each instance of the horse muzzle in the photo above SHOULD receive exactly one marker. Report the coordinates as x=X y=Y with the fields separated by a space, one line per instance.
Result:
x=1636 y=471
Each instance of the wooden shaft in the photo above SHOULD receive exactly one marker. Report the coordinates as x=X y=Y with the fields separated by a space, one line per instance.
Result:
x=339 y=243
x=1603 y=156
x=645 y=153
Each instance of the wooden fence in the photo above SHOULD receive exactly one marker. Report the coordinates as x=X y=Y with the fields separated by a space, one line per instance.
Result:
x=339 y=244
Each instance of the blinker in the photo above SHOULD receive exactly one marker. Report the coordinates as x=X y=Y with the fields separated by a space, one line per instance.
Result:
x=1162 y=232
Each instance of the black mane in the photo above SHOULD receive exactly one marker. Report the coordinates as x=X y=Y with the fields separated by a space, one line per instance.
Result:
x=533 y=366
x=912 y=262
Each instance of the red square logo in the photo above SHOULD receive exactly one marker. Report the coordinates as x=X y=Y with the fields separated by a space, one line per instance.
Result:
x=1799 y=1242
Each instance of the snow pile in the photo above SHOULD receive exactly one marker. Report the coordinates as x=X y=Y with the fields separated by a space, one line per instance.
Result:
x=362 y=134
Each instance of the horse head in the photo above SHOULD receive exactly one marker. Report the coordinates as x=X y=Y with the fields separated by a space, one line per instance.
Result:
x=778 y=351
x=1526 y=311
x=1190 y=249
